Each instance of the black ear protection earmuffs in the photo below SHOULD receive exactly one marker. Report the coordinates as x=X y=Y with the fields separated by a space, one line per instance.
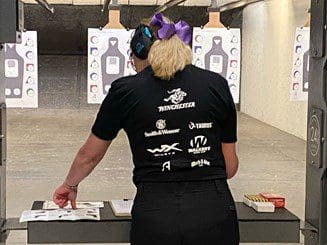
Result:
x=142 y=42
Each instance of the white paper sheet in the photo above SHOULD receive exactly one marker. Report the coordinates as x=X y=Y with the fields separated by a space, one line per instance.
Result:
x=300 y=72
x=80 y=205
x=108 y=60
x=122 y=207
x=60 y=214
x=21 y=72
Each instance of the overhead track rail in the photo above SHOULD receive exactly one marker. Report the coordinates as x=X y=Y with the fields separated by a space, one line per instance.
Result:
x=236 y=4
x=169 y=5
x=45 y=5
x=106 y=5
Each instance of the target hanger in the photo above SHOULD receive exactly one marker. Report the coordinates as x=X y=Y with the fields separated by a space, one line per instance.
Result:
x=308 y=20
x=236 y=4
x=113 y=15
x=214 y=16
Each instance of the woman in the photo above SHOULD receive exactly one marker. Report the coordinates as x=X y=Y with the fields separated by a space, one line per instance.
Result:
x=181 y=125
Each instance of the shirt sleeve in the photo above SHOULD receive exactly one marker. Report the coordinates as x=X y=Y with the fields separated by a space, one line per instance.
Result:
x=229 y=125
x=109 y=118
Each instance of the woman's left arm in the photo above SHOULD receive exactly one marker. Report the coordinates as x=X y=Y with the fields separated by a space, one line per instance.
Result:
x=87 y=158
x=231 y=159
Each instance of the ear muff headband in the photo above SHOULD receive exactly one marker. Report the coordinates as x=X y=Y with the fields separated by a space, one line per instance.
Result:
x=142 y=42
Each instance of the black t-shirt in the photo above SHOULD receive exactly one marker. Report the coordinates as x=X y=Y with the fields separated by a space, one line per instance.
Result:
x=175 y=128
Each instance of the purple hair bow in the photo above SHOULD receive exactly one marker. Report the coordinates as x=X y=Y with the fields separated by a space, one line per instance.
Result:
x=166 y=31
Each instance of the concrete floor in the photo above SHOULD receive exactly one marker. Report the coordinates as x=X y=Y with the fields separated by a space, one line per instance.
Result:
x=42 y=144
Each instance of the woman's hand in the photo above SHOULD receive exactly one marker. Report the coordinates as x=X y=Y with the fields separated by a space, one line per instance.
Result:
x=63 y=194
x=231 y=159
x=87 y=158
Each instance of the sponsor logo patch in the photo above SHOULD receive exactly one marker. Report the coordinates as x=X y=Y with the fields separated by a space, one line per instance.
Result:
x=200 y=163
x=198 y=145
x=193 y=125
x=176 y=97
x=161 y=126
x=165 y=150
x=166 y=166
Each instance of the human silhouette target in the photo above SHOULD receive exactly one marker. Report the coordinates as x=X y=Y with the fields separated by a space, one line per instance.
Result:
x=108 y=60
x=219 y=50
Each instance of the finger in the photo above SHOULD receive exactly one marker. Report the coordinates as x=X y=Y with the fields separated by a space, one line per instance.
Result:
x=61 y=203
x=57 y=200
x=55 y=197
x=73 y=203
x=64 y=204
x=61 y=200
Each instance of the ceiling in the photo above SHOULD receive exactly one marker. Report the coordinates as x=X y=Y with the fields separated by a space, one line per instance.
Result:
x=134 y=2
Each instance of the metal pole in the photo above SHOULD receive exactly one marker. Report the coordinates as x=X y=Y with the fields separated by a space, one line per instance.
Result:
x=2 y=136
x=315 y=229
x=10 y=22
x=2 y=145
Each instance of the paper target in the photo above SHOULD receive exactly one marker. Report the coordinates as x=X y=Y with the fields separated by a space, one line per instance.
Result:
x=21 y=72
x=300 y=72
x=108 y=60
x=219 y=50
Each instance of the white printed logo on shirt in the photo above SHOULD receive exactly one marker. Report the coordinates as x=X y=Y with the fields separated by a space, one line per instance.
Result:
x=176 y=97
x=193 y=125
x=166 y=166
x=165 y=150
x=161 y=125
x=198 y=145
x=200 y=163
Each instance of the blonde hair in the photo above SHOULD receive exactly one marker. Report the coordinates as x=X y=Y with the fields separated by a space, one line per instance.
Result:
x=167 y=57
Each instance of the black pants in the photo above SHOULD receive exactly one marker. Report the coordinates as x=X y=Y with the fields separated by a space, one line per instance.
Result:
x=184 y=213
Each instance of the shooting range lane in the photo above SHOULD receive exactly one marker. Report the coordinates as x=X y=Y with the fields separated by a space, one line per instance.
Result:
x=42 y=144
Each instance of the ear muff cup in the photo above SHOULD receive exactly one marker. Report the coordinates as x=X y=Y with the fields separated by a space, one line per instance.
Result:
x=142 y=42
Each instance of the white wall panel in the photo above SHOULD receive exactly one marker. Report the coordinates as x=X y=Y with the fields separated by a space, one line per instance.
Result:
x=267 y=58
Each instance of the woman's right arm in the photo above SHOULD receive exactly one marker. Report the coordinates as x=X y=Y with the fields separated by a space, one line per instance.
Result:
x=231 y=159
